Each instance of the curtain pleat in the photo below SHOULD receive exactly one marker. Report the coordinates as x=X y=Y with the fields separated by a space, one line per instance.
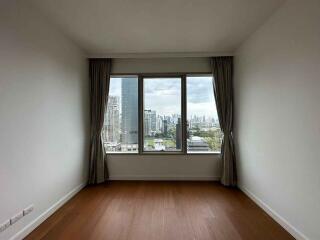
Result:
x=222 y=70
x=99 y=71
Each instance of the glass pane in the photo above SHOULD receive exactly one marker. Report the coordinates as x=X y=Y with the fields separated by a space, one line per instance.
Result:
x=203 y=130
x=162 y=114
x=120 y=131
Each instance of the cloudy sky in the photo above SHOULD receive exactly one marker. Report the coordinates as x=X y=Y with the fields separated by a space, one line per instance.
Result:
x=164 y=95
x=200 y=98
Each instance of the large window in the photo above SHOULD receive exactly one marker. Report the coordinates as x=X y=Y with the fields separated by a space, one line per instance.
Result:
x=120 y=131
x=203 y=130
x=161 y=114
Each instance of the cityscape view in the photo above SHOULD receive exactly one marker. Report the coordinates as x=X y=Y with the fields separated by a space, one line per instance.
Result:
x=162 y=126
x=120 y=131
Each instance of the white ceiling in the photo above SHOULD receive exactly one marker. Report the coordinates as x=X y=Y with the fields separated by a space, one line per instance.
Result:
x=157 y=26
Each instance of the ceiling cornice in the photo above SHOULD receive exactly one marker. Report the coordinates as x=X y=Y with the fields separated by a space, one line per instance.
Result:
x=161 y=55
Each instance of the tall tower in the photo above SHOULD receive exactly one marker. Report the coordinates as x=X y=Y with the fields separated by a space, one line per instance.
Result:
x=129 y=111
x=178 y=134
x=153 y=116
x=165 y=127
x=147 y=122
x=111 y=124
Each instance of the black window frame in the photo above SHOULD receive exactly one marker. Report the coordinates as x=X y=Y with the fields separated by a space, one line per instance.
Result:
x=183 y=77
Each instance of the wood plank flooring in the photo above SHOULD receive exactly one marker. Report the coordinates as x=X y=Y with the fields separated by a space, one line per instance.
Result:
x=122 y=210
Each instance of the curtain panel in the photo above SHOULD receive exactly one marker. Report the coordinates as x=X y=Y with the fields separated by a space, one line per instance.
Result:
x=99 y=71
x=222 y=70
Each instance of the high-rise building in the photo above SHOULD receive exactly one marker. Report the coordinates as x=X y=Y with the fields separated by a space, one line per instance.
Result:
x=129 y=111
x=111 y=124
x=150 y=122
x=159 y=123
x=165 y=127
x=178 y=134
x=153 y=116
x=147 y=122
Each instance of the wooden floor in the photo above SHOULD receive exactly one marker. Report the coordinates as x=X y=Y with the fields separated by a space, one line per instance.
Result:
x=160 y=210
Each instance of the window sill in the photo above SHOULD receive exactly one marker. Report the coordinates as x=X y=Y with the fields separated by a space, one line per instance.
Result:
x=122 y=153
x=164 y=153
x=203 y=153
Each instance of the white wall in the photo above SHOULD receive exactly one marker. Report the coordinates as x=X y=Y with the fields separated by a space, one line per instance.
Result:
x=43 y=109
x=277 y=97
x=166 y=167
x=161 y=65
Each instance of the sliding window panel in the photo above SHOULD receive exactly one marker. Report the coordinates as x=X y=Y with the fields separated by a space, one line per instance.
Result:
x=162 y=125
x=120 y=130
x=203 y=130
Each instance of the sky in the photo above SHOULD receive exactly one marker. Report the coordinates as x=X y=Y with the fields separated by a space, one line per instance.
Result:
x=164 y=95
x=200 y=98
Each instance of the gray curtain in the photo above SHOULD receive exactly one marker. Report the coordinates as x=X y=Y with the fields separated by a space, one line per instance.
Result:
x=222 y=70
x=99 y=70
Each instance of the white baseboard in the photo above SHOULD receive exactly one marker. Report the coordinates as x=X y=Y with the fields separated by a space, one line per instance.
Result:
x=279 y=219
x=163 y=178
x=47 y=213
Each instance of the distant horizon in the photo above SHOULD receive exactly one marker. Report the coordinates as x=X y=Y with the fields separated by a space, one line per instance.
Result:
x=171 y=115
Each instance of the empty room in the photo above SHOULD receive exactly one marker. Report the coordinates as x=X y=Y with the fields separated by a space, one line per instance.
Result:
x=159 y=120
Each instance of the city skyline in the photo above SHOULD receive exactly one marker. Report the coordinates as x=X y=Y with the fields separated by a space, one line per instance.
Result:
x=200 y=96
